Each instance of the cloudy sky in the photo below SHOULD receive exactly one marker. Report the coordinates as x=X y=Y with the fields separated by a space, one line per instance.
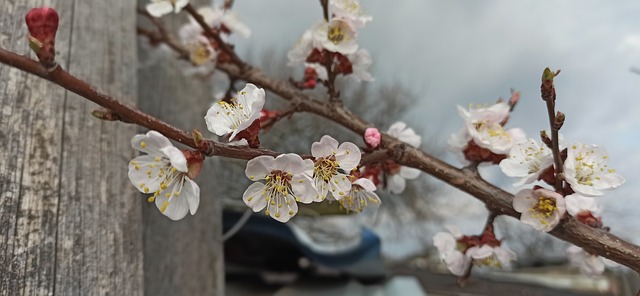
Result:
x=460 y=52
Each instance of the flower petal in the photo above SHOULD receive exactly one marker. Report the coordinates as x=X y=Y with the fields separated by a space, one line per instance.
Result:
x=217 y=120
x=144 y=173
x=396 y=184
x=176 y=157
x=366 y=184
x=348 y=156
x=523 y=200
x=254 y=197
x=151 y=143
x=444 y=242
x=327 y=146
x=191 y=192
x=409 y=173
x=302 y=187
x=171 y=203
x=340 y=186
x=158 y=9
x=286 y=214
x=478 y=253
x=258 y=168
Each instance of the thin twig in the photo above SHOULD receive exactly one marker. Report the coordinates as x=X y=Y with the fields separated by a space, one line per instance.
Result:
x=163 y=33
x=125 y=112
x=228 y=4
x=548 y=93
x=325 y=9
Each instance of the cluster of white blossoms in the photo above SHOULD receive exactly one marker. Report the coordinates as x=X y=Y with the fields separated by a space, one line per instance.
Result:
x=459 y=252
x=585 y=171
x=290 y=179
x=203 y=51
x=336 y=38
x=397 y=175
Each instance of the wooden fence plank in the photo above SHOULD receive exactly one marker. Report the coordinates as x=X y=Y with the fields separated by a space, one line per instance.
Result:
x=70 y=224
x=181 y=257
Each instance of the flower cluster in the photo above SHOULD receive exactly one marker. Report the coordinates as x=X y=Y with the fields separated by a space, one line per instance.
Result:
x=389 y=174
x=483 y=137
x=332 y=45
x=290 y=179
x=586 y=174
x=460 y=251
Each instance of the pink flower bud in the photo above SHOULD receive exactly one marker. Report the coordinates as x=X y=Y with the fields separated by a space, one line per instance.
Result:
x=43 y=25
x=372 y=137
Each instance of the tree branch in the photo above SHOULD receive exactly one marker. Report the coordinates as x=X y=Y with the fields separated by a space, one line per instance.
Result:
x=126 y=113
x=497 y=200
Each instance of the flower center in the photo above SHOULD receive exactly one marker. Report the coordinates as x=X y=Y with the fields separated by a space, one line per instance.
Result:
x=357 y=199
x=336 y=34
x=587 y=167
x=201 y=54
x=235 y=112
x=325 y=168
x=491 y=261
x=279 y=192
x=492 y=129
x=543 y=209
x=161 y=169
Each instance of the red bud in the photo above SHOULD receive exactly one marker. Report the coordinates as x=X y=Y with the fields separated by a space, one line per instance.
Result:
x=43 y=25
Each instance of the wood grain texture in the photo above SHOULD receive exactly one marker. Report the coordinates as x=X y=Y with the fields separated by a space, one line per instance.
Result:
x=70 y=224
x=181 y=257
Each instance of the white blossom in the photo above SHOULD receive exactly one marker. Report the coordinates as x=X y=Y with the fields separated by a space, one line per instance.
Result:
x=577 y=203
x=163 y=173
x=527 y=160
x=541 y=208
x=588 y=264
x=216 y=18
x=485 y=255
x=350 y=11
x=336 y=35
x=286 y=183
x=458 y=142
x=330 y=159
x=451 y=252
x=302 y=49
x=224 y=118
x=360 y=63
x=158 y=8
x=484 y=126
x=586 y=170
x=396 y=180
x=360 y=196
x=200 y=50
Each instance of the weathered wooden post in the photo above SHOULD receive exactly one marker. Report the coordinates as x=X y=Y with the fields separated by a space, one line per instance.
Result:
x=69 y=222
